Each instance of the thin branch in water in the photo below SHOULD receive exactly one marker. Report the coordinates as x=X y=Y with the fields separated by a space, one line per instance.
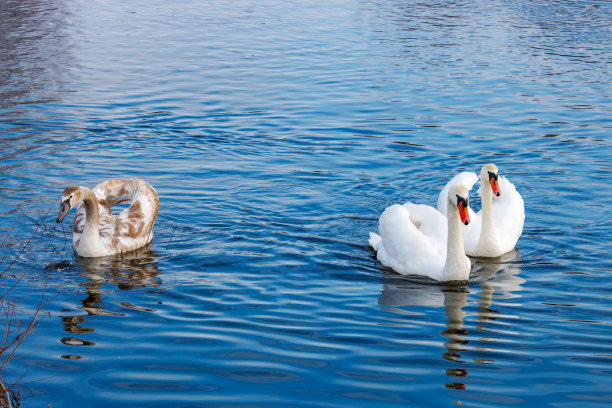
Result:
x=12 y=228
x=25 y=246
x=160 y=289
x=171 y=236
x=9 y=233
x=16 y=330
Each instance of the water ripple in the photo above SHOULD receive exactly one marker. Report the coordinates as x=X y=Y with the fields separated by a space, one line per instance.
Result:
x=275 y=134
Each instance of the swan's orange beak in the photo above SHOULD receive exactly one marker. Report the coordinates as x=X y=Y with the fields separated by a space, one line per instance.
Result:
x=463 y=212
x=495 y=186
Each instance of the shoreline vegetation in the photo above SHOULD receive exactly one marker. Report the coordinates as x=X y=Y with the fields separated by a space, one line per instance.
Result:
x=17 y=324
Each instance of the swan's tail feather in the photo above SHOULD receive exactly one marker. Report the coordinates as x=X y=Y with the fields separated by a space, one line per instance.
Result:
x=375 y=241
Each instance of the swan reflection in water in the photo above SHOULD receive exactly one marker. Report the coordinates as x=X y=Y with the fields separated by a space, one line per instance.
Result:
x=498 y=279
x=127 y=271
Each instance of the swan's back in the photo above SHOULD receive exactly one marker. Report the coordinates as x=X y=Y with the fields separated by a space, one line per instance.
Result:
x=412 y=239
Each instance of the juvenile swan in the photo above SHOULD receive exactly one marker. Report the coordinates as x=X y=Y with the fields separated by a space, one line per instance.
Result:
x=496 y=228
x=418 y=240
x=98 y=232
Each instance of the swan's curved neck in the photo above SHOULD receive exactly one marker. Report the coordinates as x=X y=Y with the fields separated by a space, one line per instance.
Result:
x=92 y=218
x=488 y=237
x=455 y=267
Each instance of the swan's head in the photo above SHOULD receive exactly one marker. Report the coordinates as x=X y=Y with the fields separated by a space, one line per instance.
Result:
x=459 y=197
x=491 y=173
x=70 y=197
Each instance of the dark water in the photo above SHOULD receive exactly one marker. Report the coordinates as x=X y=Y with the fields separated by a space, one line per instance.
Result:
x=276 y=133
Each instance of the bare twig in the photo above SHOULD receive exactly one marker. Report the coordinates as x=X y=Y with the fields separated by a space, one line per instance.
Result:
x=26 y=244
x=15 y=329
x=171 y=236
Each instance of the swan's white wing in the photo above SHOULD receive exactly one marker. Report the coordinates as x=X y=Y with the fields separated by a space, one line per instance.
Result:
x=508 y=215
x=431 y=223
x=408 y=248
x=465 y=178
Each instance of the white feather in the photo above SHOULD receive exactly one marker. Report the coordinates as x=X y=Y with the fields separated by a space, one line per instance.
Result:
x=413 y=240
x=508 y=217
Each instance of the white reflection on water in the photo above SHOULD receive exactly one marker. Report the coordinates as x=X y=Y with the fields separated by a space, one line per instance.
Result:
x=491 y=279
x=133 y=269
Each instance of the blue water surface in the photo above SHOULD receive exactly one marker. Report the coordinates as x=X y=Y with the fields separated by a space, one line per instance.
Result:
x=276 y=133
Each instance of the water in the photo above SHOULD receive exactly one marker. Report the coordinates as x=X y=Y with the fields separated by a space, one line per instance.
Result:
x=276 y=133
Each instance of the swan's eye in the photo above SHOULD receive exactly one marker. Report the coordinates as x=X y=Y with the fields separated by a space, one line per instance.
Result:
x=493 y=176
x=461 y=200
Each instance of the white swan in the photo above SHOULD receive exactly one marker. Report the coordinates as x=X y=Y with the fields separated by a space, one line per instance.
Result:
x=98 y=232
x=496 y=228
x=417 y=239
